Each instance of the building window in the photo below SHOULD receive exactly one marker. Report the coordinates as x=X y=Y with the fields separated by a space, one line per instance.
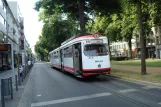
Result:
x=111 y=47
x=2 y=20
x=124 y=46
x=4 y=8
x=1 y=36
x=1 y=3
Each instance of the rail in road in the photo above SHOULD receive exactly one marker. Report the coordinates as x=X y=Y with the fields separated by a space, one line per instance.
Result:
x=137 y=94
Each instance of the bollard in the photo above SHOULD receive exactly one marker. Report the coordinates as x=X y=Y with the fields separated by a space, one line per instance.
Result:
x=19 y=78
x=22 y=76
x=11 y=88
x=2 y=93
x=16 y=82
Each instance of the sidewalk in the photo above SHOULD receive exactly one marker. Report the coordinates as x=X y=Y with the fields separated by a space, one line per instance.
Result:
x=154 y=70
x=16 y=94
x=7 y=73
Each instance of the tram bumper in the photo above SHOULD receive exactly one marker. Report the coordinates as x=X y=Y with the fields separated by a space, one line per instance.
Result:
x=90 y=72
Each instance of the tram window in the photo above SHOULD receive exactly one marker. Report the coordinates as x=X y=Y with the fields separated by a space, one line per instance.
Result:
x=68 y=52
x=95 y=50
x=55 y=55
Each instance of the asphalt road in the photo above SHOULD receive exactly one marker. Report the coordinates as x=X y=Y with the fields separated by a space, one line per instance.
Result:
x=53 y=88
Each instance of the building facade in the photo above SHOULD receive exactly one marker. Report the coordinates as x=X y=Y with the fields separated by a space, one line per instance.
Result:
x=4 y=54
x=153 y=46
x=23 y=44
x=11 y=33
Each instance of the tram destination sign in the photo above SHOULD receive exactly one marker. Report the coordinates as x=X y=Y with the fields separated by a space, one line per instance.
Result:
x=97 y=41
x=94 y=41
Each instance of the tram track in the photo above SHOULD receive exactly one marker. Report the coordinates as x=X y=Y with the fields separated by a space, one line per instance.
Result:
x=120 y=95
x=128 y=86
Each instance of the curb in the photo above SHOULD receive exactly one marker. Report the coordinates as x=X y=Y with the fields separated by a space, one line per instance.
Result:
x=134 y=80
x=26 y=96
x=27 y=79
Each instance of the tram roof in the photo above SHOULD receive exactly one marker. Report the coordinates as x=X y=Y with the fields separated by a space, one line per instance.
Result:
x=81 y=38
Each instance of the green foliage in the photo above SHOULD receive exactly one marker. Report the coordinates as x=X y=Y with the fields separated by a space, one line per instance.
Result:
x=56 y=29
x=116 y=19
x=72 y=8
x=109 y=26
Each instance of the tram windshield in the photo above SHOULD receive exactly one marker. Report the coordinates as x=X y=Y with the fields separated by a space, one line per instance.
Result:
x=95 y=50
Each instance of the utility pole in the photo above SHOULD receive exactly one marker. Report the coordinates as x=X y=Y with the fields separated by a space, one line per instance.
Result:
x=12 y=59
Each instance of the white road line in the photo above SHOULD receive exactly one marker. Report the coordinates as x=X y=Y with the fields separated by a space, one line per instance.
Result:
x=127 y=90
x=149 y=87
x=20 y=86
x=69 y=99
x=39 y=95
x=159 y=103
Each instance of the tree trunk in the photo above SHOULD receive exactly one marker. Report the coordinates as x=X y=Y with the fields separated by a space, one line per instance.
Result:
x=109 y=47
x=130 y=47
x=81 y=16
x=143 y=63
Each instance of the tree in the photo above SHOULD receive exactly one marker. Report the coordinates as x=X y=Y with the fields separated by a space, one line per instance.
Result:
x=79 y=9
x=56 y=29
x=156 y=21
x=128 y=23
x=140 y=23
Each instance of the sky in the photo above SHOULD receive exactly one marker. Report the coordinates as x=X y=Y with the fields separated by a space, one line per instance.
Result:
x=32 y=27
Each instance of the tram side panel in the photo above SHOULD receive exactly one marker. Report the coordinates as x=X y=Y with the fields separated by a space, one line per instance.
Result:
x=68 y=59
x=56 y=60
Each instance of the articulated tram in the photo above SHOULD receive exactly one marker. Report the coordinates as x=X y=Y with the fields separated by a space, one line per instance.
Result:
x=82 y=56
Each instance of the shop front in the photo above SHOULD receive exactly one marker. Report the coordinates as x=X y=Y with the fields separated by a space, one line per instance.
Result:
x=5 y=60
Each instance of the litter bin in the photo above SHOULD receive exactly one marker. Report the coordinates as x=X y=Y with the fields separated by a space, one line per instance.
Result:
x=6 y=89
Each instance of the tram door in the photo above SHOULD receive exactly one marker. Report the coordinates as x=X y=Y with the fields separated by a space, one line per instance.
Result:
x=61 y=59
x=77 y=58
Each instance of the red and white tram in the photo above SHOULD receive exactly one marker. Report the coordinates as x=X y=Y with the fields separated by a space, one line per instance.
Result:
x=82 y=56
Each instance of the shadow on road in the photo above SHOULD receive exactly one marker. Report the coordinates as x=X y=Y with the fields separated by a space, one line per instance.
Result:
x=101 y=78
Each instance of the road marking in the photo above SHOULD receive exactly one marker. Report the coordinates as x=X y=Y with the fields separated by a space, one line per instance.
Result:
x=20 y=87
x=159 y=103
x=69 y=99
x=39 y=63
x=127 y=90
x=39 y=95
x=148 y=87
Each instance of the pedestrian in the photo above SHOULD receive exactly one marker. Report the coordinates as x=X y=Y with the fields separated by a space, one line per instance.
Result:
x=21 y=69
